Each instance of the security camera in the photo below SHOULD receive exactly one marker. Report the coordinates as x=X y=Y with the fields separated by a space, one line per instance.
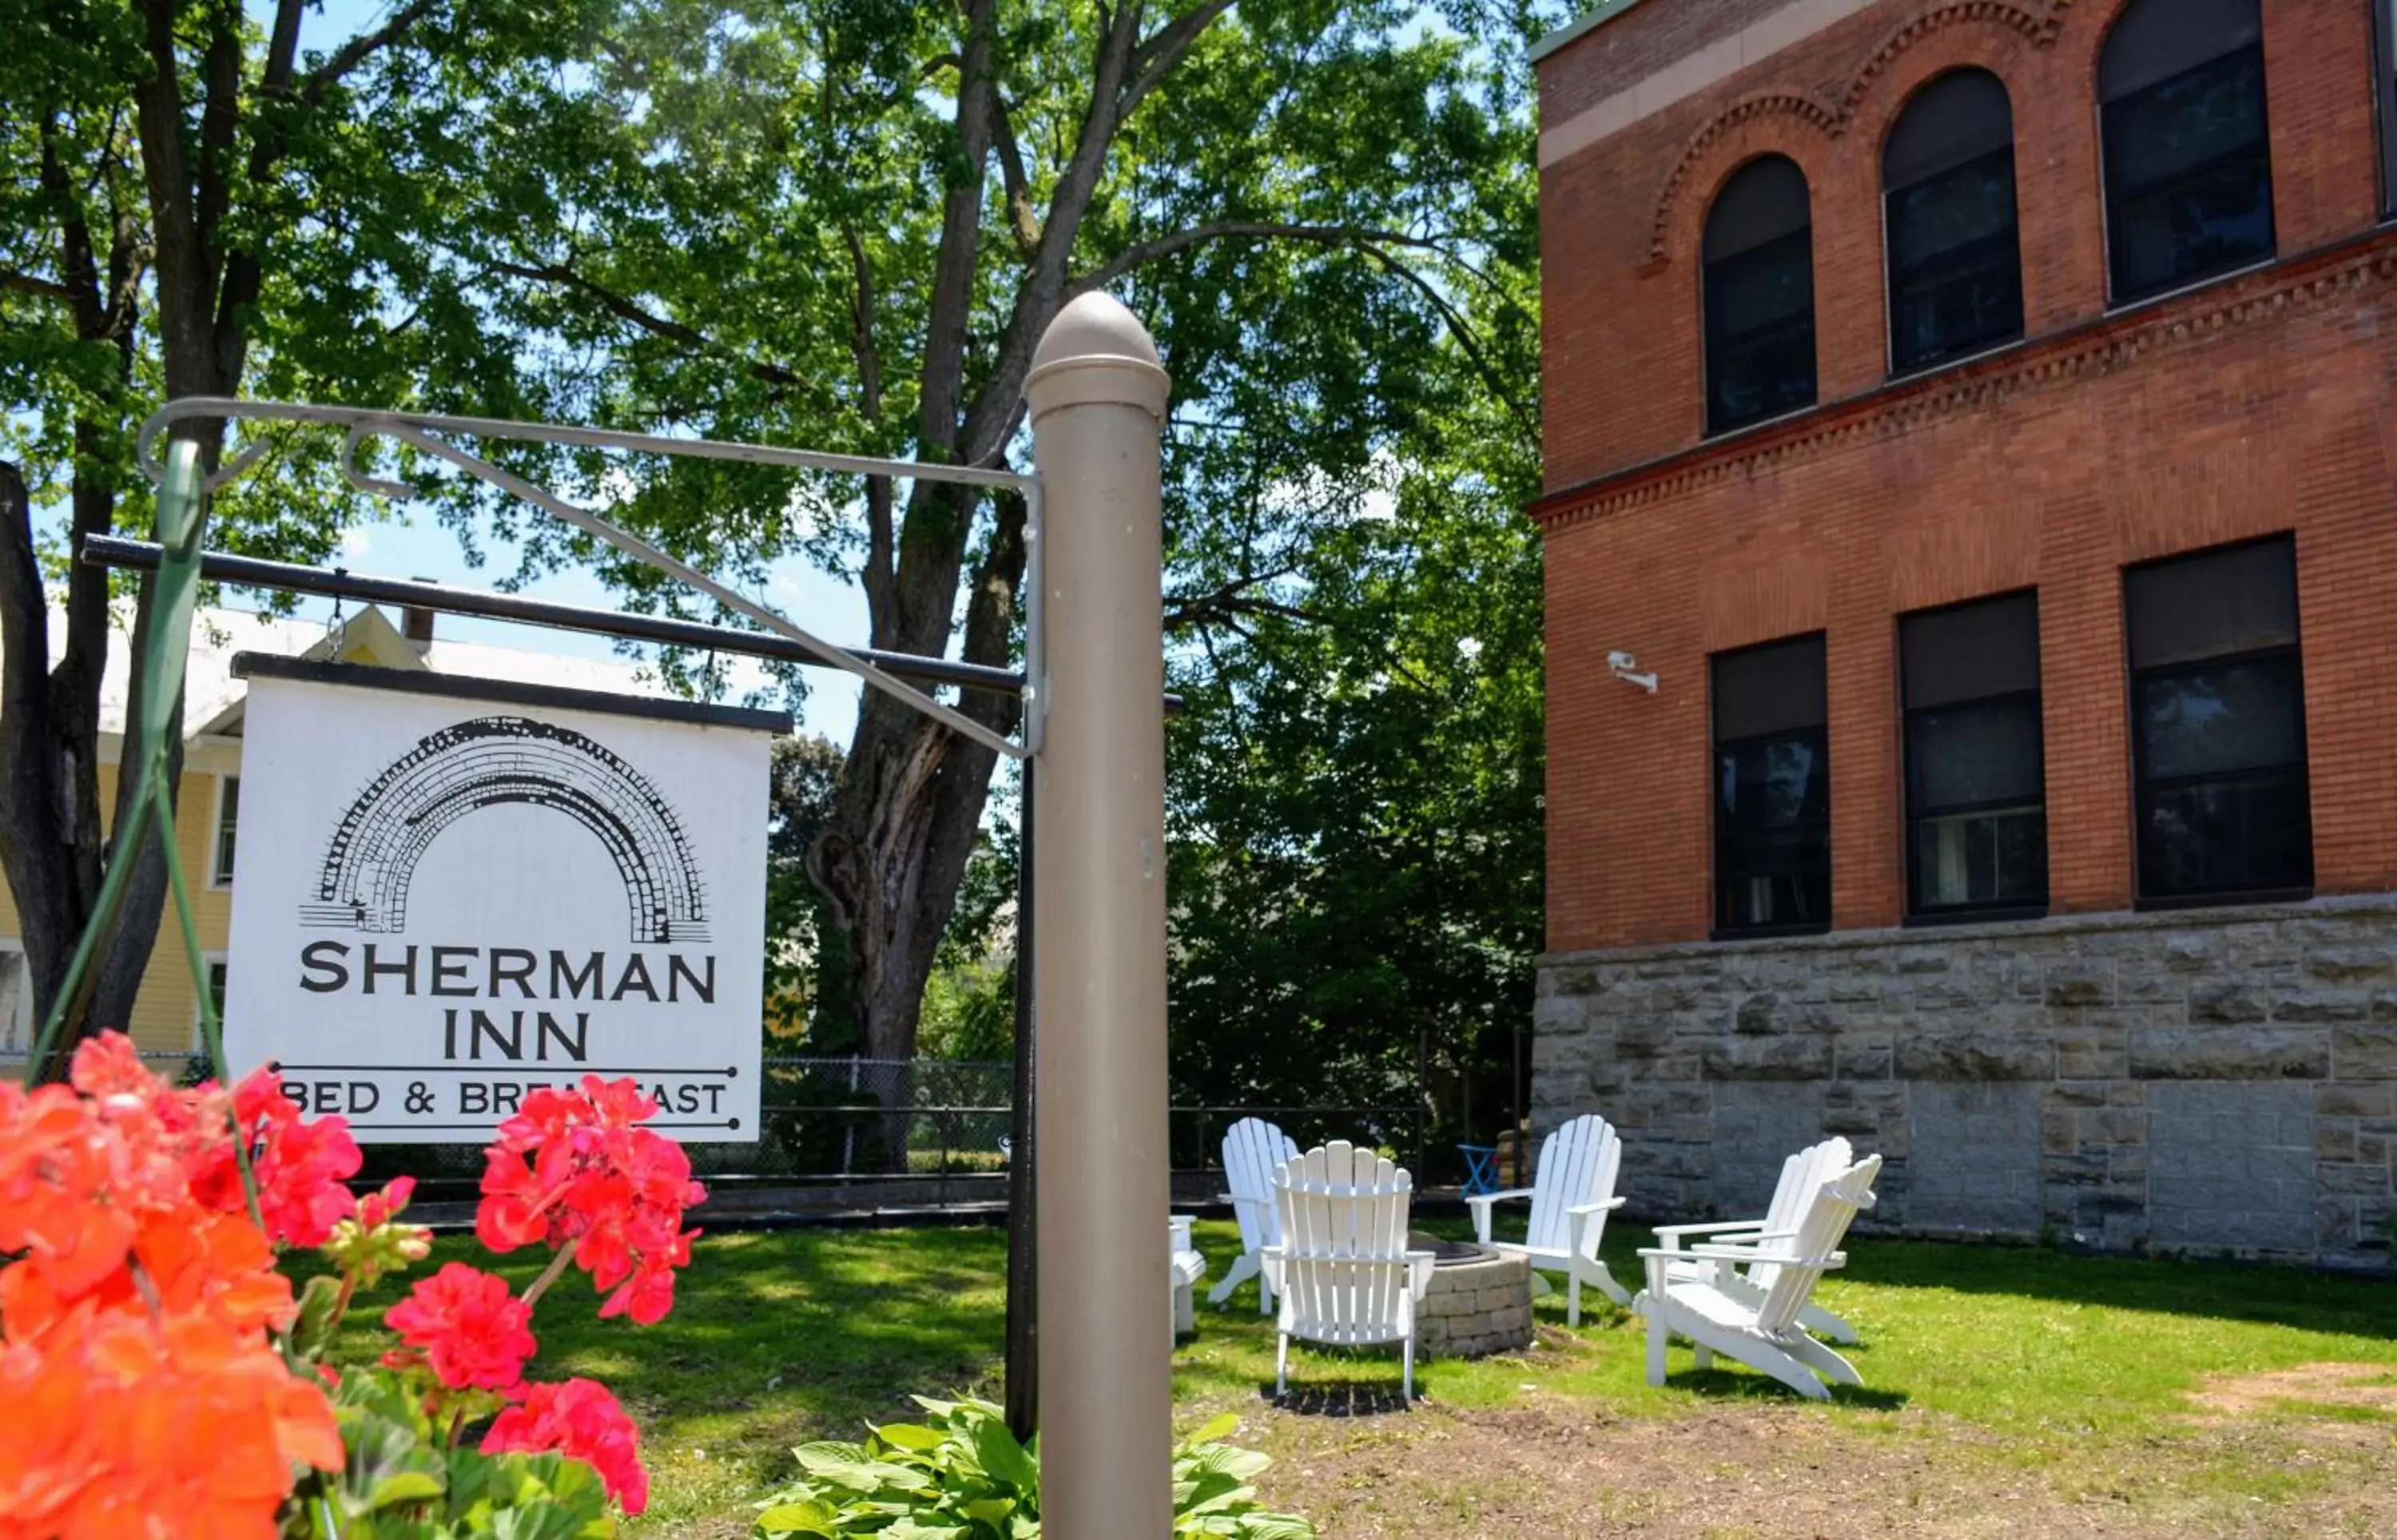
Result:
x=1622 y=663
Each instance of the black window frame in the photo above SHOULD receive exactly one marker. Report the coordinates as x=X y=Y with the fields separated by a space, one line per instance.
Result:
x=2116 y=195
x=1895 y=285
x=224 y=839
x=1816 y=736
x=2143 y=785
x=1716 y=346
x=1914 y=815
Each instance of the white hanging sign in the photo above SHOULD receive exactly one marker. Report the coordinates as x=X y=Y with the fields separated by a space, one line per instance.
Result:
x=451 y=891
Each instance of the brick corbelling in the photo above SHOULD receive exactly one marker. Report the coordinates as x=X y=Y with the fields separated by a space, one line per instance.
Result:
x=1835 y=119
x=2040 y=30
x=1888 y=411
x=1799 y=104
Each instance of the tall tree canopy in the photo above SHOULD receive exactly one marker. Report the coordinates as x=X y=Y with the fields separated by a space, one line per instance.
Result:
x=152 y=203
x=844 y=224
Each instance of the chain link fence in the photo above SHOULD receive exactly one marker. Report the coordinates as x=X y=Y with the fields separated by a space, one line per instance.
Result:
x=878 y=1122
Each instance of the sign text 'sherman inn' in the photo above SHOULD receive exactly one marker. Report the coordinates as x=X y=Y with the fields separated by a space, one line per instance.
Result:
x=452 y=891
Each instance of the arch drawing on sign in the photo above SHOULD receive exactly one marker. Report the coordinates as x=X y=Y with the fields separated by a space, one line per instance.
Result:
x=499 y=761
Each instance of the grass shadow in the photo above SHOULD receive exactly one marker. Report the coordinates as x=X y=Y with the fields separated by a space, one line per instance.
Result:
x=1338 y=1398
x=2254 y=1293
x=1731 y=1385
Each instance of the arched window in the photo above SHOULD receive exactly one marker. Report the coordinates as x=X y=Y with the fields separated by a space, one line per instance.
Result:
x=2188 y=168
x=1758 y=283
x=1947 y=187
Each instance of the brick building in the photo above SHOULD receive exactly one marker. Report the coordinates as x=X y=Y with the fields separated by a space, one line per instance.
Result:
x=1974 y=415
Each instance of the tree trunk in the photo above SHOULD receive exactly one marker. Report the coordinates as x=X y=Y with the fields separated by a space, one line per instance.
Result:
x=890 y=858
x=903 y=826
x=49 y=778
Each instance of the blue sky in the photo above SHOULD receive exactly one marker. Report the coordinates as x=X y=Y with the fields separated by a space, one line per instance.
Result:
x=831 y=606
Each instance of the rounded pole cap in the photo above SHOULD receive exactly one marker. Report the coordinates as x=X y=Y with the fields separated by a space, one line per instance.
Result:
x=1096 y=352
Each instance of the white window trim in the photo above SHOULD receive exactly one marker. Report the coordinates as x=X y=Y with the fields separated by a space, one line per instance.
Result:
x=220 y=881
x=208 y=962
x=17 y=1032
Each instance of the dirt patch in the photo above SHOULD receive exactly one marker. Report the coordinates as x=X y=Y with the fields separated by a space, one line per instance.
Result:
x=1733 y=1472
x=2366 y=1387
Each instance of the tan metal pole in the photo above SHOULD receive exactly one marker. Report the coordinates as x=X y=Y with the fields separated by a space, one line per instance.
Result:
x=1098 y=404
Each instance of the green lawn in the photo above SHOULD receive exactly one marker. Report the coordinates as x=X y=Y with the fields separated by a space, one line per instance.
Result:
x=2069 y=1379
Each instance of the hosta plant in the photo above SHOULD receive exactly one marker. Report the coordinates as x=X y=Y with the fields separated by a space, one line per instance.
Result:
x=162 y=1376
x=961 y=1474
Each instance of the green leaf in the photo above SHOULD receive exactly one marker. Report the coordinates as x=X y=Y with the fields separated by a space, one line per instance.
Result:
x=910 y=1436
x=1276 y=1526
x=810 y=1517
x=1217 y=1427
x=311 y=1330
x=992 y=1511
x=907 y=1529
x=1003 y=1457
x=851 y=1466
x=387 y=1464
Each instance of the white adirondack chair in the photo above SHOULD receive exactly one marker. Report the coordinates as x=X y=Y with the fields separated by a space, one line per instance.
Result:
x=1342 y=1266
x=1766 y=1337
x=1253 y=1151
x=1571 y=1193
x=1188 y=1266
x=1800 y=1175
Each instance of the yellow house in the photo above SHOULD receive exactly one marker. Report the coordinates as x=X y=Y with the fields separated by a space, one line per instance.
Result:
x=207 y=820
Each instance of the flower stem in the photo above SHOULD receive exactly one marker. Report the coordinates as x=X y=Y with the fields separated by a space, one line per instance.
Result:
x=341 y=1301
x=549 y=1275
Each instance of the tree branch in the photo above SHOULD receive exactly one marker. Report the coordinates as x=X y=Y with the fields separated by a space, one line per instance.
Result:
x=1246 y=229
x=282 y=49
x=880 y=573
x=627 y=310
x=1372 y=244
x=958 y=255
x=358 y=49
x=1042 y=292
x=219 y=117
x=1233 y=599
x=82 y=288
x=41 y=288
x=1462 y=330
x=182 y=276
x=1020 y=214
x=1154 y=59
x=282 y=92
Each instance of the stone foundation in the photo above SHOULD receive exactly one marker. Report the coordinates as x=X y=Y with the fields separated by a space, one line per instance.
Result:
x=1475 y=1308
x=2217 y=1081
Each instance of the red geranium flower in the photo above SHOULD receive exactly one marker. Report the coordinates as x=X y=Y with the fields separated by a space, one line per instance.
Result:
x=582 y=1421
x=137 y=1427
x=150 y=1399
x=573 y=1170
x=473 y=1331
x=300 y=1166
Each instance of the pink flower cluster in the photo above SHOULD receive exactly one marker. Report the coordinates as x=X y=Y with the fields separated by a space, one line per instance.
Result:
x=574 y=1169
x=474 y=1331
x=300 y=1166
x=582 y=1421
x=143 y=1322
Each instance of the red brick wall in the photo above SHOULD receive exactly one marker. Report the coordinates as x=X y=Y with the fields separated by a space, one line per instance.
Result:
x=2247 y=407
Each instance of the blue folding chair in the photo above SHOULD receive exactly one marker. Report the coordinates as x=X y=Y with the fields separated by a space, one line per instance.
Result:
x=1480 y=1169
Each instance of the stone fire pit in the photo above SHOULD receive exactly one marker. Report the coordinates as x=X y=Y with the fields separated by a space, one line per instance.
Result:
x=1480 y=1301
